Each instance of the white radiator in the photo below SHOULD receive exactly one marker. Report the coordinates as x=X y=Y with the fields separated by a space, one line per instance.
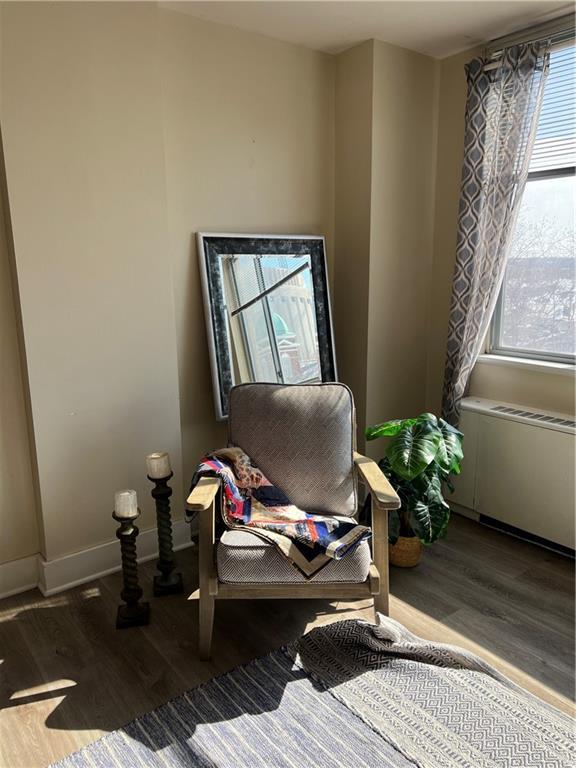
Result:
x=519 y=468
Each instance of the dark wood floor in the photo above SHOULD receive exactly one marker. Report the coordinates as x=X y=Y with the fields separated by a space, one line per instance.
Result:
x=67 y=676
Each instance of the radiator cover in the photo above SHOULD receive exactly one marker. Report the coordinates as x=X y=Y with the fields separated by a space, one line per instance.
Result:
x=519 y=468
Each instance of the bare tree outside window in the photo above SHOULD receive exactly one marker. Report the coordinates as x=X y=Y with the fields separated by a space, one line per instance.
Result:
x=539 y=293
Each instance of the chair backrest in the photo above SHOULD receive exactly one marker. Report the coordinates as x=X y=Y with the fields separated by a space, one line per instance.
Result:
x=302 y=436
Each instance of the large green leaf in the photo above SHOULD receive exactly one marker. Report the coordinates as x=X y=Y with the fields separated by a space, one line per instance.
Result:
x=449 y=483
x=433 y=510
x=403 y=488
x=413 y=449
x=429 y=520
x=432 y=491
x=450 y=452
x=387 y=429
x=428 y=418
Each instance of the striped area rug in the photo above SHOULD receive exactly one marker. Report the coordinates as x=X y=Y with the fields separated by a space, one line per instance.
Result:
x=350 y=695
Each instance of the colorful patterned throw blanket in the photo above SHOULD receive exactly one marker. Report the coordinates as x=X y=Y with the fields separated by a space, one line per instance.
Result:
x=250 y=501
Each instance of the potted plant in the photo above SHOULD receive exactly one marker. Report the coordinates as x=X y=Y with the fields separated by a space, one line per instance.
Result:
x=420 y=457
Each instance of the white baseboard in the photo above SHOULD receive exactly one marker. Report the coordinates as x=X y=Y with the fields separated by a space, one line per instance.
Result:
x=53 y=576
x=72 y=570
x=18 y=576
x=464 y=511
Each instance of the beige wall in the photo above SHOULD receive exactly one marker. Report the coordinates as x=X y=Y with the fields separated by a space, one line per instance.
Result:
x=353 y=205
x=19 y=534
x=403 y=171
x=248 y=127
x=82 y=125
x=127 y=129
x=515 y=384
x=385 y=167
x=536 y=388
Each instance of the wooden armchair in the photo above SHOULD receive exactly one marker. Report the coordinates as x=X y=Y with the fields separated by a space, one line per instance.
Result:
x=303 y=439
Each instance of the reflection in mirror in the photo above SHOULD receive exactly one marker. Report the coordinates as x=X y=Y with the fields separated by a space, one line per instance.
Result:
x=270 y=308
x=267 y=311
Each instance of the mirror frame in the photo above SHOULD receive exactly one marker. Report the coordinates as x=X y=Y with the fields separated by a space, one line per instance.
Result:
x=211 y=246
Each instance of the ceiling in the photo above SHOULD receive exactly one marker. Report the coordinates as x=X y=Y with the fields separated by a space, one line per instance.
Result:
x=435 y=28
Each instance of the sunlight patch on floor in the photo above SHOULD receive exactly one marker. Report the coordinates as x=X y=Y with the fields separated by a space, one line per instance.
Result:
x=431 y=629
x=90 y=592
x=55 y=686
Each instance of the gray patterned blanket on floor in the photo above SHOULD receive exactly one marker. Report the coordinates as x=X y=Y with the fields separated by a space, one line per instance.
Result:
x=353 y=695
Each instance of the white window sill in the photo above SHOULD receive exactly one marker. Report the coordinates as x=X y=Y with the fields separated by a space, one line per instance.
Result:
x=537 y=366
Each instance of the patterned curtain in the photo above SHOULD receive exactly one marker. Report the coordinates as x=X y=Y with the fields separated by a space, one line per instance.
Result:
x=502 y=111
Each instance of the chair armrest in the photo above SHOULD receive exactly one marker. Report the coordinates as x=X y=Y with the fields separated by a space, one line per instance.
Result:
x=203 y=494
x=379 y=485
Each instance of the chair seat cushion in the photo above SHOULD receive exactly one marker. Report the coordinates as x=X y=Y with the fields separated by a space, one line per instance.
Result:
x=244 y=558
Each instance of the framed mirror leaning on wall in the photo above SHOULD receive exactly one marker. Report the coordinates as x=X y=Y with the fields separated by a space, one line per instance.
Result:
x=267 y=310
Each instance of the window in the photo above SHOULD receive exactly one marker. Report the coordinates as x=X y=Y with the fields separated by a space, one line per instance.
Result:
x=536 y=313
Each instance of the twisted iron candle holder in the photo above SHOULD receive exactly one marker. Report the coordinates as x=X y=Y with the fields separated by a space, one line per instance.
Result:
x=166 y=582
x=134 y=613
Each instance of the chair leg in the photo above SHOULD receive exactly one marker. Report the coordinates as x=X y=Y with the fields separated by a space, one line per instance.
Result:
x=380 y=556
x=381 y=604
x=206 y=622
x=205 y=569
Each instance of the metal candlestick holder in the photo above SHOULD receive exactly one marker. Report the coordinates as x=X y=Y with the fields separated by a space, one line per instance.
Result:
x=166 y=582
x=134 y=613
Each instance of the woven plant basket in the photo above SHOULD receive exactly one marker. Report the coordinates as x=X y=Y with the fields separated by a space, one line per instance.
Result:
x=406 y=552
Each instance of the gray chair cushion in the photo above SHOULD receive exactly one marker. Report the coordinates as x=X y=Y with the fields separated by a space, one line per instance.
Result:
x=302 y=437
x=244 y=558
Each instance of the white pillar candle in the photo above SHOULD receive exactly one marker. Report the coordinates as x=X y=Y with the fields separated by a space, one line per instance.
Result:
x=158 y=465
x=126 y=504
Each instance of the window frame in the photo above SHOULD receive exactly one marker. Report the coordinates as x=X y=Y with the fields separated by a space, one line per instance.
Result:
x=495 y=335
